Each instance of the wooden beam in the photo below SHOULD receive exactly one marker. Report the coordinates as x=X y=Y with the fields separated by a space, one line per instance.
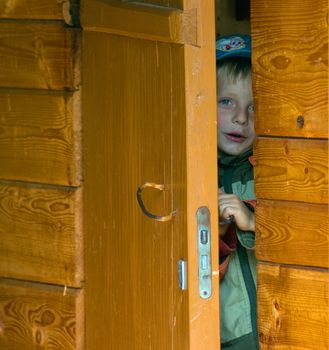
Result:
x=290 y=67
x=142 y=21
x=67 y=10
x=40 y=233
x=31 y=9
x=291 y=169
x=39 y=56
x=36 y=316
x=40 y=137
x=292 y=308
x=292 y=233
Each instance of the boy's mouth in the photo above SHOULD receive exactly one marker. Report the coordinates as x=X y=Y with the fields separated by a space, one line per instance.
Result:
x=235 y=137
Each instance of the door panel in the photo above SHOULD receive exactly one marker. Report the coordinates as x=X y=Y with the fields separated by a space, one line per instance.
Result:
x=126 y=118
x=148 y=116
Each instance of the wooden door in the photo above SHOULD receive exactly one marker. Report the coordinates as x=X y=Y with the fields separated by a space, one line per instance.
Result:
x=290 y=62
x=148 y=115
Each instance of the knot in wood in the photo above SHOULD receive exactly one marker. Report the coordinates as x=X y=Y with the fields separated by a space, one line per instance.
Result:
x=300 y=121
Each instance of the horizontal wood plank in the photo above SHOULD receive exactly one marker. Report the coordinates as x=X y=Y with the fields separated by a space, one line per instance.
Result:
x=168 y=3
x=291 y=169
x=39 y=56
x=40 y=137
x=140 y=20
x=35 y=316
x=31 y=9
x=292 y=233
x=292 y=308
x=290 y=67
x=40 y=235
x=67 y=10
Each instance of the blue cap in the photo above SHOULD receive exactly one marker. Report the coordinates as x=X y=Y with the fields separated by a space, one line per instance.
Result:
x=237 y=45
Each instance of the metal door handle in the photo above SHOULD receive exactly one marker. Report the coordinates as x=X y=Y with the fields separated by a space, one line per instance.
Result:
x=145 y=211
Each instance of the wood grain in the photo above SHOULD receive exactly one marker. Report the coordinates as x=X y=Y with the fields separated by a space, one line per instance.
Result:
x=168 y=3
x=32 y=9
x=67 y=10
x=290 y=67
x=39 y=56
x=41 y=234
x=40 y=137
x=292 y=308
x=141 y=21
x=35 y=316
x=292 y=233
x=288 y=169
x=137 y=124
x=127 y=143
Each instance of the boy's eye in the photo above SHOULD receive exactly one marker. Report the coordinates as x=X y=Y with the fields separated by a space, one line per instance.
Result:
x=251 y=109
x=225 y=102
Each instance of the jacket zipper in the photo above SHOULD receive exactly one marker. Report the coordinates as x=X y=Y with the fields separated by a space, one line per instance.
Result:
x=251 y=288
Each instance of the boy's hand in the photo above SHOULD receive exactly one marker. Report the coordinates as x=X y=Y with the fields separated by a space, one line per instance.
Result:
x=230 y=205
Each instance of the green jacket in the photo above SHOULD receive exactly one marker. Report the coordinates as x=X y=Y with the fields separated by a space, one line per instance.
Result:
x=238 y=285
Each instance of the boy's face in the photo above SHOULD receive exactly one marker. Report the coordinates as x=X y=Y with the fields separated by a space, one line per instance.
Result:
x=235 y=115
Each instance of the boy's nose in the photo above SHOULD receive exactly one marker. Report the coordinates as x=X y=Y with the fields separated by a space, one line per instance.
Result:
x=241 y=117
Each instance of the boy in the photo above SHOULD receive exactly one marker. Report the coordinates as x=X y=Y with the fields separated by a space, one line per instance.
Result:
x=236 y=193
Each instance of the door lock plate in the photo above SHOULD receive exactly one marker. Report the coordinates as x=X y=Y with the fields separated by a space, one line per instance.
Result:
x=204 y=252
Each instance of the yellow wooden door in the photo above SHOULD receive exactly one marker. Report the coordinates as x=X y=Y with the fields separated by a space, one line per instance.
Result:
x=290 y=63
x=148 y=116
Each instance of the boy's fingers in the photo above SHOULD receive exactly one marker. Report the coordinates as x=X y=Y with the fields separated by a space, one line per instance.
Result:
x=220 y=191
x=228 y=212
x=229 y=199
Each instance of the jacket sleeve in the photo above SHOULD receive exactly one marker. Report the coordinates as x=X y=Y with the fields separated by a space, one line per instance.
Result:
x=247 y=238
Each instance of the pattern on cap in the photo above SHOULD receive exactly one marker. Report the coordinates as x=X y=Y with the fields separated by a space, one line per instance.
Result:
x=230 y=44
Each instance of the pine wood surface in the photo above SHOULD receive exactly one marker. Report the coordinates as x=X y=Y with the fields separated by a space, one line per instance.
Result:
x=201 y=169
x=40 y=137
x=41 y=234
x=293 y=308
x=291 y=169
x=143 y=21
x=127 y=143
x=136 y=130
x=31 y=9
x=165 y=3
x=39 y=56
x=35 y=316
x=290 y=67
x=292 y=233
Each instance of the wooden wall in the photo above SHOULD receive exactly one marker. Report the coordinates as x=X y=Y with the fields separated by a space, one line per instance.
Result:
x=290 y=61
x=41 y=265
